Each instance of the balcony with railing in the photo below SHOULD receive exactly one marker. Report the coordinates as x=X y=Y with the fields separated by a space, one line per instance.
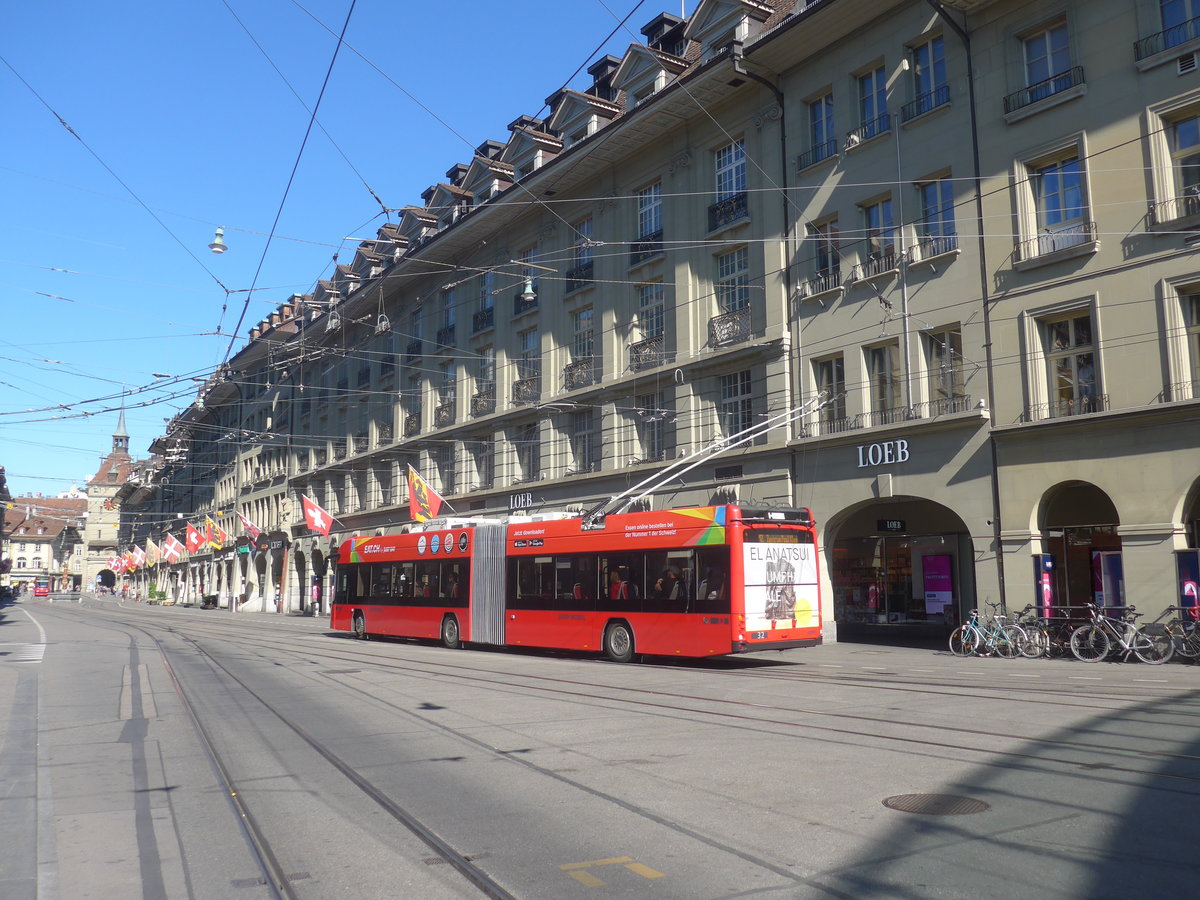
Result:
x=1042 y=90
x=339 y=450
x=1065 y=408
x=320 y=457
x=483 y=401
x=412 y=424
x=821 y=283
x=645 y=247
x=648 y=353
x=445 y=337
x=523 y=304
x=942 y=406
x=443 y=414
x=1061 y=243
x=1179 y=391
x=880 y=262
x=412 y=353
x=874 y=128
x=932 y=246
x=926 y=102
x=730 y=328
x=580 y=276
x=383 y=435
x=1175 y=209
x=483 y=319
x=361 y=443
x=527 y=390
x=731 y=209
x=891 y=416
x=580 y=373
x=819 y=152
x=1165 y=40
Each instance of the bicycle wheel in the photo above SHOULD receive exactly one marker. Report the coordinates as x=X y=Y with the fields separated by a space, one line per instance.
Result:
x=964 y=641
x=1152 y=645
x=1186 y=638
x=1089 y=643
x=1009 y=641
x=1037 y=642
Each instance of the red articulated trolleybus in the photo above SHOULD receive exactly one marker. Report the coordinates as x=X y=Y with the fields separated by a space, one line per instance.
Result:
x=702 y=581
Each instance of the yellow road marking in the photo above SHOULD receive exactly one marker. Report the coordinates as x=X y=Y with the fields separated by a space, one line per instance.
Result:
x=587 y=880
x=597 y=862
x=576 y=870
x=644 y=871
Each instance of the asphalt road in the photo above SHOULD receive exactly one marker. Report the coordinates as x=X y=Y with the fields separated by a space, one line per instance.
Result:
x=174 y=752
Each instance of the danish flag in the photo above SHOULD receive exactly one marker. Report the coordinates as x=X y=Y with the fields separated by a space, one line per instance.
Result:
x=172 y=549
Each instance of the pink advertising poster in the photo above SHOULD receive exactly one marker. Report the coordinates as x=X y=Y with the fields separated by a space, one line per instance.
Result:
x=939 y=586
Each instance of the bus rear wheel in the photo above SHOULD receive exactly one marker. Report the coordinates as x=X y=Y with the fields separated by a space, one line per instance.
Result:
x=359 y=625
x=618 y=642
x=451 y=639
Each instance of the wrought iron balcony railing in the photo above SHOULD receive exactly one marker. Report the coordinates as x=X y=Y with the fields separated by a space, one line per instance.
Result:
x=339 y=449
x=817 y=153
x=412 y=353
x=926 y=102
x=522 y=304
x=383 y=435
x=877 y=264
x=942 y=406
x=1055 y=84
x=320 y=457
x=648 y=353
x=729 y=328
x=647 y=246
x=731 y=209
x=1165 y=40
x=483 y=319
x=821 y=283
x=443 y=414
x=933 y=245
x=1060 y=409
x=1180 y=390
x=580 y=276
x=867 y=130
x=1176 y=208
x=1046 y=242
x=361 y=444
x=873 y=417
x=580 y=373
x=527 y=390
x=412 y=424
x=445 y=336
x=484 y=401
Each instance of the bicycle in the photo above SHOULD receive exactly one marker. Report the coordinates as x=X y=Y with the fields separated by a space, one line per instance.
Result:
x=974 y=638
x=1183 y=630
x=1096 y=640
x=1047 y=636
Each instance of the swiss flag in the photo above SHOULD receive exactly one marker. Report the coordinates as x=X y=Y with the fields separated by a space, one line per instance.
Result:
x=171 y=549
x=195 y=540
x=315 y=517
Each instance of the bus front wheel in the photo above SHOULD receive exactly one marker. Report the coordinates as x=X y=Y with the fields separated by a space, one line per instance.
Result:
x=451 y=639
x=618 y=642
x=360 y=626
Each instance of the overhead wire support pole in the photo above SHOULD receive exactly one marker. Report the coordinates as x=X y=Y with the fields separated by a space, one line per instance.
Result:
x=692 y=460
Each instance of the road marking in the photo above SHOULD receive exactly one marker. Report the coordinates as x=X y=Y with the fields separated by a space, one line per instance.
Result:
x=22 y=653
x=587 y=879
x=1084 y=678
x=41 y=630
x=831 y=666
x=1018 y=675
x=1151 y=681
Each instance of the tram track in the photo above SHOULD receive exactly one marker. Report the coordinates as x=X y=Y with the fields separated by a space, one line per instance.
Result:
x=742 y=714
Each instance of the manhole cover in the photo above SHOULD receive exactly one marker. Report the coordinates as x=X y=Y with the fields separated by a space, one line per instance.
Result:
x=936 y=804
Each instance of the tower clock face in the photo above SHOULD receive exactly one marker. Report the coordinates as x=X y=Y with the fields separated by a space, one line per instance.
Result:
x=108 y=504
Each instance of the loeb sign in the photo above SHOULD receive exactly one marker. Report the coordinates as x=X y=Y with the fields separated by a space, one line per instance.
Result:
x=883 y=453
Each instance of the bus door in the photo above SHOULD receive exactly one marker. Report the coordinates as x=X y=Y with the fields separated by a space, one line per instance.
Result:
x=487 y=590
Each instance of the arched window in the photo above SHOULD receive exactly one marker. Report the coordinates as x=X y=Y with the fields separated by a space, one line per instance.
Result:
x=37 y=562
x=20 y=562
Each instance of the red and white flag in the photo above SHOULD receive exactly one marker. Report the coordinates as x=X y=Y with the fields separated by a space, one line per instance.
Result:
x=172 y=549
x=195 y=539
x=139 y=557
x=250 y=528
x=114 y=562
x=315 y=517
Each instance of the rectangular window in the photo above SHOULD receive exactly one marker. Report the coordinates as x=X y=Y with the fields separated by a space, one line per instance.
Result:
x=733 y=280
x=1191 y=320
x=820 y=121
x=581 y=248
x=872 y=103
x=485 y=372
x=1176 y=13
x=412 y=396
x=446 y=378
x=936 y=226
x=827 y=253
x=884 y=372
x=529 y=452
x=929 y=67
x=483 y=457
x=1058 y=194
x=583 y=335
x=731 y=170
x=1047 y=53
x=736 y=410
x=944 y=362
x=830 y=376
x=449 y=308
x=1185 y=157
x=881 y=229
x=649 y=202
x=444 y=460
x=529 y=357
x=650 y=310
x=583 y=440
x=651 y=426
x=1071 y=370
x=487 y=291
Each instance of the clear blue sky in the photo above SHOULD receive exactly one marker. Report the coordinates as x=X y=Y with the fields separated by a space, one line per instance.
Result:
x=105 y=276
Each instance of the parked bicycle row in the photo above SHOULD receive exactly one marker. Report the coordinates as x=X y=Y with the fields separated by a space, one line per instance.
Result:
x=1108 y=633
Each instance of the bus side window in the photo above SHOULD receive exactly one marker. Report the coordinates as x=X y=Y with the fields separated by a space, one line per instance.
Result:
x=712 y=592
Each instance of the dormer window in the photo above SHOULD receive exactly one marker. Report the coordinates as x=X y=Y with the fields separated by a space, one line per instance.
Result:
x=718 y=23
